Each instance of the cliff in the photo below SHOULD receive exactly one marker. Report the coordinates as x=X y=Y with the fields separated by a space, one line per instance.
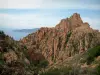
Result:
x=70 y=37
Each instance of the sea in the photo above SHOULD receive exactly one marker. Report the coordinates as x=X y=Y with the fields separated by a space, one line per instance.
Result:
x=16 y=35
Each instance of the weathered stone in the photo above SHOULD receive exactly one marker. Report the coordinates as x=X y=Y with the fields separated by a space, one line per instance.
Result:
x=71 y=36
x=10 y=56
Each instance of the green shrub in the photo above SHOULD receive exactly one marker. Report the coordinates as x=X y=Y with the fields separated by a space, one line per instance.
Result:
x=68 y=36
x=43 y=63
x=1 y=33
x=52 y=72
x=1 y=60
x=98 y=69
x=92 y=53
x=61 y=71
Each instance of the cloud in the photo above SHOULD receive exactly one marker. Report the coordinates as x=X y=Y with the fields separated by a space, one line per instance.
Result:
x=20 y=3
x=37 y=20
x=28 y=20
x=50 y=4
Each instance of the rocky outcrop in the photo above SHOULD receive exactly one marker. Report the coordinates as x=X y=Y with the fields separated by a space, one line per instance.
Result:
x=10 y=56
x=71 y=36
x=70 y=23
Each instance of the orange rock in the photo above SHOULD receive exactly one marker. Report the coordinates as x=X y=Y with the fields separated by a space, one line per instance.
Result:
x=51 y=42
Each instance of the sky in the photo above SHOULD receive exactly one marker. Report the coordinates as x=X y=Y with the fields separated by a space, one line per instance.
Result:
x=28 y=14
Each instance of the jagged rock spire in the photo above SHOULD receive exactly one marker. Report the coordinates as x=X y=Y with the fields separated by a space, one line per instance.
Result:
x=70 y=23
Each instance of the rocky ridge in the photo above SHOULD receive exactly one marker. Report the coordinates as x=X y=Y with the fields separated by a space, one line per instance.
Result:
x=70 y=37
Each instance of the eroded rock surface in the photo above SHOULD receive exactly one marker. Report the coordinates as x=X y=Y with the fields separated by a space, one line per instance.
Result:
x=71 y=36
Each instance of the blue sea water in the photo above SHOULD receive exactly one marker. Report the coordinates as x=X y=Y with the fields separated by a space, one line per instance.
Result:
x=16 y=35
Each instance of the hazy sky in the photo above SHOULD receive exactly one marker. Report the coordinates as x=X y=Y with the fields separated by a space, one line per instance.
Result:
x=22 y=14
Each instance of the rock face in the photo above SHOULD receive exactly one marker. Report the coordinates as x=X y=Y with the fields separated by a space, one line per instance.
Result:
x=10 y=56
x=71 y=36
x=70 y=23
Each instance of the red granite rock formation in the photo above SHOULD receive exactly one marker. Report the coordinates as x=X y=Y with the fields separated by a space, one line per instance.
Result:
x=71 y=36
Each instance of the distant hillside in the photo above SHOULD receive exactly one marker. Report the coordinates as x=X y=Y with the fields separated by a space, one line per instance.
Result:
x=26 y=30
